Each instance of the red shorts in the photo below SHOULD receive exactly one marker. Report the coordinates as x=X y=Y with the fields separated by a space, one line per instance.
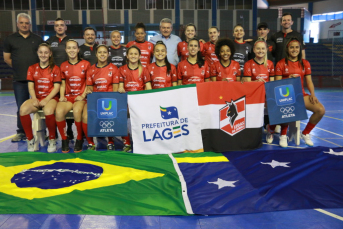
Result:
x=72 y=99
x=55 y=98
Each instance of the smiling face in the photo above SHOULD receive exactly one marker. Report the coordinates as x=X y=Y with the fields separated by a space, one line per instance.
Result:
x=213 y=34
x=140 y=35
x=260 y=49
x=193 y=48
x=190 y=32
x=286 y=21
x=166 y=29
x=225 y=53
x=44 y=54
x=115 y=38
x=72 y=50
x=160 y=52
x=238 y=32
x=89 y=36
x=60 y=27
x=102 y=55
x=133 y=56
x=23 y=25
x=293 y=49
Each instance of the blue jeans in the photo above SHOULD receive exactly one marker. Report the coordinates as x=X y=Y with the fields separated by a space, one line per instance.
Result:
x=21 y=94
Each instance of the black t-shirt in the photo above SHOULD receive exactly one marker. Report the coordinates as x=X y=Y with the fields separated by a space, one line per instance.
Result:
x=242 y=53
x=270 y=51
x=23 y=53
x=88 y=53
x=117 y=56
x=58 y=47
x=280 y=39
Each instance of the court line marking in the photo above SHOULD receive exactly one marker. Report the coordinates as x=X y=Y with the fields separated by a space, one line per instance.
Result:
x=8 y=115
x=329 y=214
x=333 y=118
x=298 y=147
x=326 y=141
x=9 y=103
x=6 y=138
x=324 y=130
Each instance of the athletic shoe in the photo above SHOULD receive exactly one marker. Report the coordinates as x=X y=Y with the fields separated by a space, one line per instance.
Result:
x=283 y=141
x=110 y=147
x=269 y=138
x=65 y=146
x=91 y=147
x=18 y=137
x=78 y=146
x=127 y=148
x=307 y=139
x=32 y=145
x=278 y=129
x=52 y=146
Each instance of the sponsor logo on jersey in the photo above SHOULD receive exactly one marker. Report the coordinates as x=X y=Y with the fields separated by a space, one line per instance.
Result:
x=233 y=116
x=279 y=40
x=284 y=95
x=100 y=81
x=107 y=108
x=43 y=80
x=66 y=73
x=54 y=45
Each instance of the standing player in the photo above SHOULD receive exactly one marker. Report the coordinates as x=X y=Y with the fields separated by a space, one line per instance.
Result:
x=242 y=47
x=262 y=32
x=18 y=56
x=72 y=94
x=147 y=48
x=87 y=50
x=194 y=69
x=162 y=73
x=133 y=77
x=226 y=69
x=294 y=66
x=44 y=83
x=190 y=32
x=209 y=47
x=101 y=77
x=117 y=52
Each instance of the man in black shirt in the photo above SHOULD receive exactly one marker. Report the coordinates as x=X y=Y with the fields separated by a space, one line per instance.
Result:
x=262 y=32
x=20 y=51
x=87 y=50
x=281 y=38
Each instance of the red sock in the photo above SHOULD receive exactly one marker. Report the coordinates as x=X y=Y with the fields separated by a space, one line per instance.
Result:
x=127 y=140
x=50 y=122
x=26 y=122
x=79 y=130
x=89 y=139
x=111 y=140
x=62 y=129
x=272 y=128
x=284 y=128
x=308 y=128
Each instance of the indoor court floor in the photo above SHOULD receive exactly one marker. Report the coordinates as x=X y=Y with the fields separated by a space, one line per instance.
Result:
x=329 y=133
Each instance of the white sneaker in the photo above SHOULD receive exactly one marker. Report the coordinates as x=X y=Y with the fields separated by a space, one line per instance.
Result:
x=307 y=139
x=278 y=129
x=52 y=145
x=283 y=141
x=269 y=138
x=32 y=145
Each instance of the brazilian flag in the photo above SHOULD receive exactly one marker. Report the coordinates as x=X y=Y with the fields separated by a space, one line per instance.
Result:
x=94 y=183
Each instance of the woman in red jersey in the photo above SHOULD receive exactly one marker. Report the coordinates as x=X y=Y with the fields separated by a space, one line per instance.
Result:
x=133 y=77
x=72 y=94
x=44 y=84
x=209 y=47
x=162 y=73
x=101 y=77
x=226 y=69
x=294 y=66
x=194 y=69
x=190 y=32
x=147 y=48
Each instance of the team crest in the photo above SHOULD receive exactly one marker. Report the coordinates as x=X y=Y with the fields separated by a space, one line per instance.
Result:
x=232 y=116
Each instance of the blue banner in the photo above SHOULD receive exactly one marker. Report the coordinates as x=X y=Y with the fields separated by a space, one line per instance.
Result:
x=285 y=101
x=107 y=114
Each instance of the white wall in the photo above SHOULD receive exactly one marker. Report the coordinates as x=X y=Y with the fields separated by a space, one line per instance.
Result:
x=295 y=6
x=326 y=32
x=327 y=6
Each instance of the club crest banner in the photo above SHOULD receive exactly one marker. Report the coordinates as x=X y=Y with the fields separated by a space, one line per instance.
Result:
x=107 y=114
x=285 y=101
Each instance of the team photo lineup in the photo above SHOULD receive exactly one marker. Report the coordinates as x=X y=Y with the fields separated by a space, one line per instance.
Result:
x=56 y=75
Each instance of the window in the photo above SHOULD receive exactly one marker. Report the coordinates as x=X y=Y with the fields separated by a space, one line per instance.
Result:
x=14 y=5
x=234 y=4
x=196 y=4
x=123 y=4
x=159 y=4
x=87 y=4
x=50 y=5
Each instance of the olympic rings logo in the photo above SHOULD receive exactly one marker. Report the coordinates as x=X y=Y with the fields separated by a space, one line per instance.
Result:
x=106 y=124
x=287 y=110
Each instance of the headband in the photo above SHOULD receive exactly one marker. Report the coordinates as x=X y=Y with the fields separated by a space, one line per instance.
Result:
x=292 y=41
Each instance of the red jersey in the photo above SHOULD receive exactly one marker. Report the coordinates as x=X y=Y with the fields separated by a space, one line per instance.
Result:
x=131 y=78
x=44 y=79
x=209 y=53
x=147 y=51
x=191 y=73
x=102 y=79
x=295 y=68
x=258 y=71
x=160 y=78
x=230 y=72
x=75 y=76
x=182 y=49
